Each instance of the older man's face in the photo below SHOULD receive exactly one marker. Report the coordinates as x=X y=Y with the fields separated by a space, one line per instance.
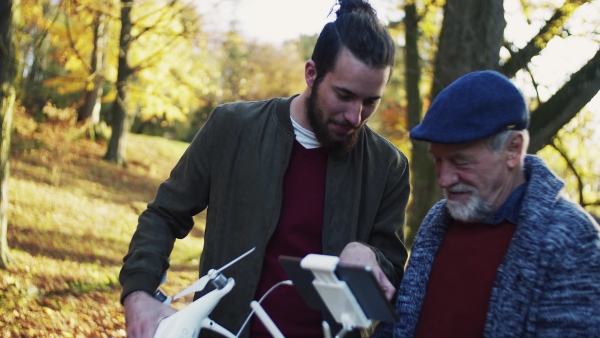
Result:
x=475 y=180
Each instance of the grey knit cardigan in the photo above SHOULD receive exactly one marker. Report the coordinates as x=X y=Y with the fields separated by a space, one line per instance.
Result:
x=548 y=284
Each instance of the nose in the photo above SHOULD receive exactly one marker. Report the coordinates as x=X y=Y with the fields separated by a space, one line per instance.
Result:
x=353 y=114
x=446 y=174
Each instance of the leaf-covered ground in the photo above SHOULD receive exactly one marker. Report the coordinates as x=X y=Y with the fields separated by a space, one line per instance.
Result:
x=70 y=218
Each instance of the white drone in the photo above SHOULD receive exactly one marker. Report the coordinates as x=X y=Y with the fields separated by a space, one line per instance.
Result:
x=188 y=321
x=335 y=293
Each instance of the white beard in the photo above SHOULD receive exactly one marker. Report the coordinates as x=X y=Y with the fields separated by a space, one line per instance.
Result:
x=474 y=209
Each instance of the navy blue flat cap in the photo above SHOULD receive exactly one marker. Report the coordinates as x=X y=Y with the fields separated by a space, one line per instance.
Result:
x=475 y=106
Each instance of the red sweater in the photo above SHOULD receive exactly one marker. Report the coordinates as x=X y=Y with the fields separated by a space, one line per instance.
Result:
x=298 y=233
x=461 y=279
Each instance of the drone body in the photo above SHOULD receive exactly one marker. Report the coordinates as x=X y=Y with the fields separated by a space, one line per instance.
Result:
x=188 y=321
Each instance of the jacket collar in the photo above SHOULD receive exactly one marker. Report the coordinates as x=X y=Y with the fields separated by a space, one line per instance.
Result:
x=282 y=112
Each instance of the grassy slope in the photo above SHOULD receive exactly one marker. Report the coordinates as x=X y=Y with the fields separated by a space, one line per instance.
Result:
x=70 y=219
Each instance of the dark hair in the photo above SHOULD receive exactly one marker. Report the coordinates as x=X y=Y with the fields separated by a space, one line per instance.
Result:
x=357 y=29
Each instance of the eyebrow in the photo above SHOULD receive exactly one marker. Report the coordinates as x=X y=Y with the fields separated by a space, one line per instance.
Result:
x=455 y=156
x=349 y=92
x=460 y=156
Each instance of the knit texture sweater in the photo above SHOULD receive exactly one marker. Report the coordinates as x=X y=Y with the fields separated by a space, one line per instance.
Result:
x=548 y=284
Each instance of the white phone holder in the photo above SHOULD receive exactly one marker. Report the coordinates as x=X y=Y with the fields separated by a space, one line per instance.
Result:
x=335 y=293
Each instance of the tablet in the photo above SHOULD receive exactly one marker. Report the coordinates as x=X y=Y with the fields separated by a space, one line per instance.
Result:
x=360 y=280
x=367 y=291
x=302 y=280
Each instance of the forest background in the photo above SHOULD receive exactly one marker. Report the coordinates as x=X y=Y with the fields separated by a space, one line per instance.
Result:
x=101 y=98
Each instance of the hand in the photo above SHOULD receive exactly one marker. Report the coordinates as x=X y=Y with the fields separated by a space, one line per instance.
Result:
x=143 y=313
x=359 y=254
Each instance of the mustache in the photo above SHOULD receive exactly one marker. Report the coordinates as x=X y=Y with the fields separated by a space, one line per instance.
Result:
x=346 y=124
x=460 y=188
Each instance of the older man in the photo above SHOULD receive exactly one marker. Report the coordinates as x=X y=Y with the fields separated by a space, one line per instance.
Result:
x=504 y=254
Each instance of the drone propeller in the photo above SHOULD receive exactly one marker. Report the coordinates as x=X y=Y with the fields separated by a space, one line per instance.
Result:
x=212 y=273
x=195 y=287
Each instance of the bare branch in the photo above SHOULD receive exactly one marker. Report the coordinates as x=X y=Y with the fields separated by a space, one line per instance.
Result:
x=557 y=144
x=550 y=116
x=522 y=57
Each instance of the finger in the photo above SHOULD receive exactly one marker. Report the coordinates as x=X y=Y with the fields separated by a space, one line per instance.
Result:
x=386 y=285
x=388 y=289
x=389 y=292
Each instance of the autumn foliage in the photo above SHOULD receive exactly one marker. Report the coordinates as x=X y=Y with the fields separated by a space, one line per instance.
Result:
x=71 y=216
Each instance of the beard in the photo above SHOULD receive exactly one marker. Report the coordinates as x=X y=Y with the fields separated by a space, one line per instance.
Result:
x=473 y=209
x=319 y=124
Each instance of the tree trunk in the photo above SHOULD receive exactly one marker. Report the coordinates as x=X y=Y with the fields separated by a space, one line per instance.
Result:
x=7 y=99
x=120 y=121
x=420 y=179
x=93 y=92
x=471 y=38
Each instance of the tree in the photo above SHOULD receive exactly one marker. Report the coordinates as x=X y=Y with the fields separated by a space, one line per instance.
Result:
x=37 y=54
x=120 y=123
x=421 y=179
x=53 y=48
x=7 y=100
x=471 y=39
x=254 y=71
x=90 y=110
x=477 y=27
x=572 y=154
x=160 y=33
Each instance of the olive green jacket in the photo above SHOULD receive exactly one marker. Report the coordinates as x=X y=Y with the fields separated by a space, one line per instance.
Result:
x=235 y=166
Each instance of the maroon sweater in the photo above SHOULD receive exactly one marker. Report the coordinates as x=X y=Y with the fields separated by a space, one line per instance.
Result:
x=461 y=279
x=298 y=233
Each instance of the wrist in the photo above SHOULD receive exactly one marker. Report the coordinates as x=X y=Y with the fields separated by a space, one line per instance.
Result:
x=134 y=296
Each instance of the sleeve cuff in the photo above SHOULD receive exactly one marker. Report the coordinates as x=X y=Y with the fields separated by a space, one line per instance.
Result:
x=139 y=282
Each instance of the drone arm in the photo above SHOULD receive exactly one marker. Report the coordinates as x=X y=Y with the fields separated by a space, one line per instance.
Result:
x=210 y=324
x=266 y=320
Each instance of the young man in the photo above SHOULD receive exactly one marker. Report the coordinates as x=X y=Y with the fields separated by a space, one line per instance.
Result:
x=504 y=255
x=288 y=176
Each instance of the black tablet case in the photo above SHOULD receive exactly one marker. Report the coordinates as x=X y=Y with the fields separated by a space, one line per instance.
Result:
x=360 y=280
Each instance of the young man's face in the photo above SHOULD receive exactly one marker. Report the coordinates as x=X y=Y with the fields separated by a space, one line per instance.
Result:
x=475 y=180
x=343 y=101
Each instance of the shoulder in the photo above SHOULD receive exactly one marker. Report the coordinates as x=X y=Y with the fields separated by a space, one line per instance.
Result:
x=243 y=110
x=437 y=210
x=381 y=148
x=232 y=120
x=569 y=239
x=378 y=142
x=570 y=225
x=549 y=215
x=434 y=224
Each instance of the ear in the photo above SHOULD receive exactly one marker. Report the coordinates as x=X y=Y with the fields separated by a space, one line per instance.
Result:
x=310 y=73
x=514 y=150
